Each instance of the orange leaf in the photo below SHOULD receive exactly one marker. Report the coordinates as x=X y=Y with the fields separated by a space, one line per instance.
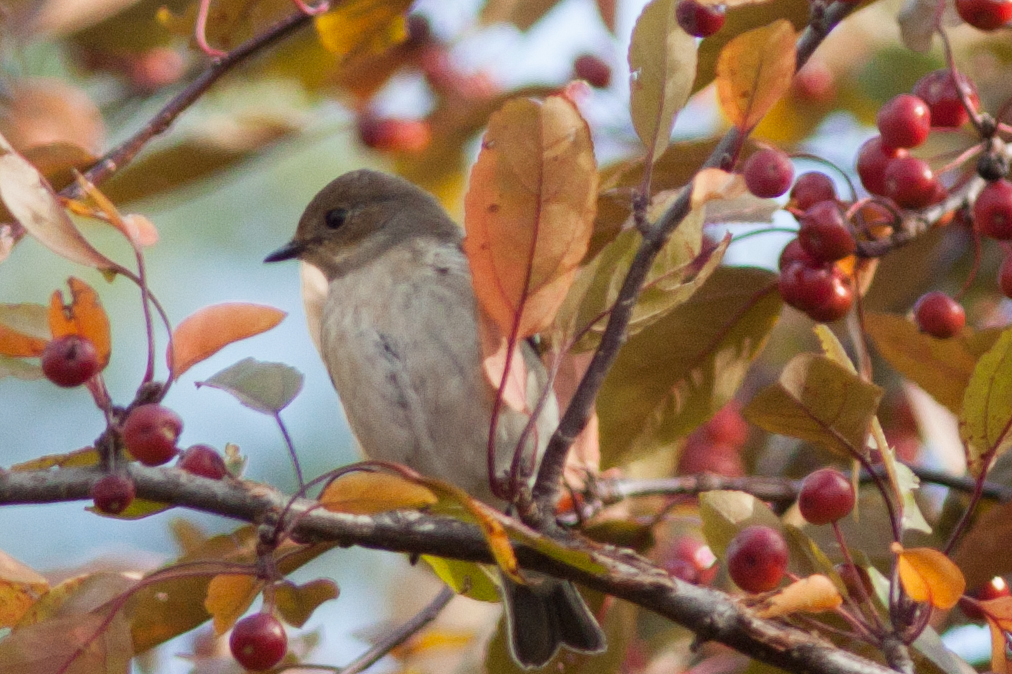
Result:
x=999 y=663
x=364 y=493
x=813 y=594
x=928 y=575
x=493 y=351
x=229 y=596
x=208 y=330
x=84 y=317
x=754 y=70
x=19 y=345
x=529 y=211
x=138 y=230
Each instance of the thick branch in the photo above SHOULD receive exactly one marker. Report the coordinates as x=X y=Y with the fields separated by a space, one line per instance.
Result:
x=582 y=404
x=710 y=614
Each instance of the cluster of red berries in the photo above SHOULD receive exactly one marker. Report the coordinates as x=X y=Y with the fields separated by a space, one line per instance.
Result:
x=715 y=447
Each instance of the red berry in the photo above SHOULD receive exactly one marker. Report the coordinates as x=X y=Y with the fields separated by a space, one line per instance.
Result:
x=69 y=361
x=939 y=315
x=394 y=135
x=839 y=301
x=727 y=425
x=910 y=182
x=150 y=433
x=826 y=496
x=823 y=292
x=985 y=14
x=824 y=233
x=904 y=121
x=1005 y=276
x=203 y=460
x=993 y=210
x=872 y=159
x=113 y=493
x=815 y=83
x=258 y=642
x=938 y=90
x=793 y=252
x=768 y=173
x=699 y=19
x=596 y=72
x=757 y=558
x=811 y=188
x=702 y=456
x=691 y=560
x=996 y=588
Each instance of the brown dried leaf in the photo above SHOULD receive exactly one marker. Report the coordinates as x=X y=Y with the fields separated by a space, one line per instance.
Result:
x=84 y=317
x=364 y=493
x=754 y=70
x=210 y=329
x=529 y=211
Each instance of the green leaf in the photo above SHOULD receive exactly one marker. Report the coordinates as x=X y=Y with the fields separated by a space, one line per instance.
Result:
x=466 y=578
x=676 y=373
x=820 y=401
x=264 y=387
x=296 y=603
x=987 y=405
x=662 y=63
x=942 y=367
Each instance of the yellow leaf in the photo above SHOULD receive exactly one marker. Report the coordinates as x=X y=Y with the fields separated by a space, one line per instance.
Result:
x=929 y=576
x=20 y=587
x=363 y=26
x=466 y=578
x=986 y=417
x=365 y=493
x=229 y=596
x=662 y=66
x=210 y=329
x=86 y=456
x=754 y=70
x=529 y=211
x=84 y=317
x=814 y=594
x=296 y=603
x=712 y=183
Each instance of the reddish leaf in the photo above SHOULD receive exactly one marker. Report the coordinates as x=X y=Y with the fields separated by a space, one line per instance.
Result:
x=84 y=317
x=606 y=10
x=529 y=211
x=494 y=349
x=754 y=70
x=210 y=329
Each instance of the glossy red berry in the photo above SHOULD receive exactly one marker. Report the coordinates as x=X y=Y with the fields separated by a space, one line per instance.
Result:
x=872 y=159
x=939 y=315
x=203 y=460
x=811 y=188
x=698 y=19
x=69 y=361
x=996 y=588
x=823 y=292
x=1005 y=276
x=768 y=173
x=825 y=234
x=113 y=493
x=985 y=14
x=793 y=252
x=757 y=558
x=910 y=182
x=596 y=72
x=992 y=212
x=150 y=433
x=904 y=121
x=826 y=496
x=839 y=301
x=938 y=90
x=258 y=642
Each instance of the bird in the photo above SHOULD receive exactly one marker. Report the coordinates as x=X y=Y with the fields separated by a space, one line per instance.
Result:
x=399 y=336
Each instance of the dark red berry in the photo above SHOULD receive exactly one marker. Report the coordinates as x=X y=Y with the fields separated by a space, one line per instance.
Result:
x=985 y=14
x=596 y=72
x=757 y=558
x=1005 y=276
x=727 y=425
x=811 y=188
x=993 y=210
x=258 y=642
x=872 y=159
x=910 y=182
x=825 y=234
x=939 y=315
x=826 y=496
x=768 y=173
x=996 y=588
x=203 y=460
x=938 y=90
x=113 y=493
x=701 y=456
x=698 y=19
x=904 y=121
x=69 y=361
x=150 y=433
x=823 y=292
x=839 y=301
x=793 y=252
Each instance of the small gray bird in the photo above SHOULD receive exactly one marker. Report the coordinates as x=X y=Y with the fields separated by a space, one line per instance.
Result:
x=399 y=336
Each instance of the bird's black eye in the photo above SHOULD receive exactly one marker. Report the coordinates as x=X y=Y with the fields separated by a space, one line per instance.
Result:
x=335 y=217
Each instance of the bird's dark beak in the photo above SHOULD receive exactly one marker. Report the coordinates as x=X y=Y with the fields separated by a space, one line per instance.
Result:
x=290 y=250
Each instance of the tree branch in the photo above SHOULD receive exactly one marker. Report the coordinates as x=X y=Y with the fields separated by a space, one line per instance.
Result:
x=546 y=488
x=712 y=615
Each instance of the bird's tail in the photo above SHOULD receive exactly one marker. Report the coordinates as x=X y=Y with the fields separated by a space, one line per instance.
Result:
x=545 y=615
